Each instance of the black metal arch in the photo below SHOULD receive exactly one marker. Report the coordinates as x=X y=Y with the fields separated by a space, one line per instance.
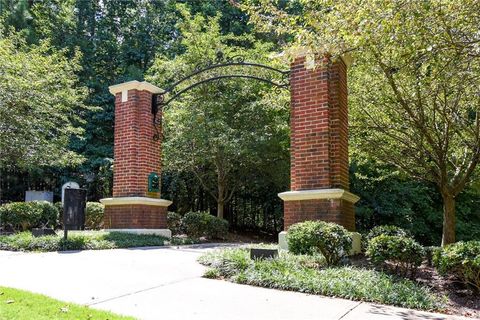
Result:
x=159 y=102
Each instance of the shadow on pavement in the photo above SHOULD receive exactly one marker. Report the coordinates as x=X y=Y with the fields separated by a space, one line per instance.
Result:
x=404 y=314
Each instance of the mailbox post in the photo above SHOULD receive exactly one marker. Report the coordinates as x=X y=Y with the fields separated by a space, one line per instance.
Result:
x=74 y=210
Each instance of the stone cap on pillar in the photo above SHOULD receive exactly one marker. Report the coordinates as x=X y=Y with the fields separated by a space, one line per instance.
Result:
x=319 y=194
x=310 y=57
x=121 y=201
x=133 y=85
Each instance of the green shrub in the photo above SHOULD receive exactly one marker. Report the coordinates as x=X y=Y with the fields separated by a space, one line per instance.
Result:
x=203 y=224
x=174 y=223
x=461 y=259
x=59 y=207
x=78 y=240
x=405 y=253
x=386 y=230
x=195 y=223
x=216 y=228
x=331 y=240
x=429 y=254
x=94 y=215
x=21 y=216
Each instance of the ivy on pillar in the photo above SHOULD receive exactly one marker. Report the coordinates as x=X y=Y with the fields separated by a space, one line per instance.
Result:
x=136 y=205
x=319 y=144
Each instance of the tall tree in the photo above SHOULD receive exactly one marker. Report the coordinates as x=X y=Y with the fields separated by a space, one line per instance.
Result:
x=118 y=41
x=41 y=105
x=415 y=84
x=218 y=131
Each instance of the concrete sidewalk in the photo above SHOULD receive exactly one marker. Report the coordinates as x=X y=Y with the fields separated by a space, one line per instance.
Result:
x=166 y=283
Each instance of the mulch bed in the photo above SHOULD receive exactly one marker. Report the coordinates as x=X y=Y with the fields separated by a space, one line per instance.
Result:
x=462 y=301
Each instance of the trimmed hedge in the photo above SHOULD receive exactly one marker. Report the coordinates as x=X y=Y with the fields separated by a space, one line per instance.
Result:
x=94 y=215
x=22 y=216
x=202 y=224
x=59 y=207
x=174 y=223
x=78 y=240
x=387 y=230
x=461 y=259
x=330 y=239
x=404 y=252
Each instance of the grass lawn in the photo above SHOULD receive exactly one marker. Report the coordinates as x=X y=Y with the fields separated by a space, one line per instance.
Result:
x=308 y=274
x=17 y=304
x=83 y=240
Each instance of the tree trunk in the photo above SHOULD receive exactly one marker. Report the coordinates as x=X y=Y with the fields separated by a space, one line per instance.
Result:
x=221 y=195
x=448 y=234
x=220 y=209
x=1 y=186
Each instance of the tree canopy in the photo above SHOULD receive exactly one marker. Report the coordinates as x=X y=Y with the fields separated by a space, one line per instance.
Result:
x=403 y=141
x=224 y=131
x=415 y=97
x=41 y=105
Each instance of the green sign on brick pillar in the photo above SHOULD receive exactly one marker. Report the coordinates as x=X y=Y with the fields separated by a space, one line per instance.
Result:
x=153 y=182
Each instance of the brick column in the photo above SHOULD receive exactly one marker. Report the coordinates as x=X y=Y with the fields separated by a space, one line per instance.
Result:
x=319 y=144
x=136 y=156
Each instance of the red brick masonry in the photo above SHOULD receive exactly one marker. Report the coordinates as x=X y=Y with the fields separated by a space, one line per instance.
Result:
x=334 y=210
x=135 y=216
x=136 y=155
x=319 y=141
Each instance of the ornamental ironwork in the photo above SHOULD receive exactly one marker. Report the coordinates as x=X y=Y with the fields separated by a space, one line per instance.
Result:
x=220 y=68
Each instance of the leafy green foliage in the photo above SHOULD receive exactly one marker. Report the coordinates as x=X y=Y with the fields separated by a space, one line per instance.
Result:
x=21 y=216
x=174 y=222
x=232 y=20
x=420 y=110
x=94 y=215
x=430 y=252
x=388 y=196
x=306 y=274
x=59 y=207
x=461 y=259
x=405 y=253
x=116 y=42
x=387 y=230
x=331 y=240
x=156 y=32
x=78 y=241
x=224 y=131
x=203 y=224
x=41 y=103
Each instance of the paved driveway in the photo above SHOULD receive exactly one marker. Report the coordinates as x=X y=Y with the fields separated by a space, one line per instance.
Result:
x=166 y=283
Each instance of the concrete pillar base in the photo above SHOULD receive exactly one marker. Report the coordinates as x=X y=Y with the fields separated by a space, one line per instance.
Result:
x=136 y=213
x=282 y=240
x=356 y=243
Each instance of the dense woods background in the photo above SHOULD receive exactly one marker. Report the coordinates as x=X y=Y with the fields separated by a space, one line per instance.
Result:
x=159 y=40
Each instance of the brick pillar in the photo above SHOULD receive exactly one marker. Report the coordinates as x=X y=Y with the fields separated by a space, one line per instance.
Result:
x=136 y=156
x=319 y=144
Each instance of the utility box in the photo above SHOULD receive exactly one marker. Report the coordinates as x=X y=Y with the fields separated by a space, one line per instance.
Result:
x=69 y=185
x=75 y=201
